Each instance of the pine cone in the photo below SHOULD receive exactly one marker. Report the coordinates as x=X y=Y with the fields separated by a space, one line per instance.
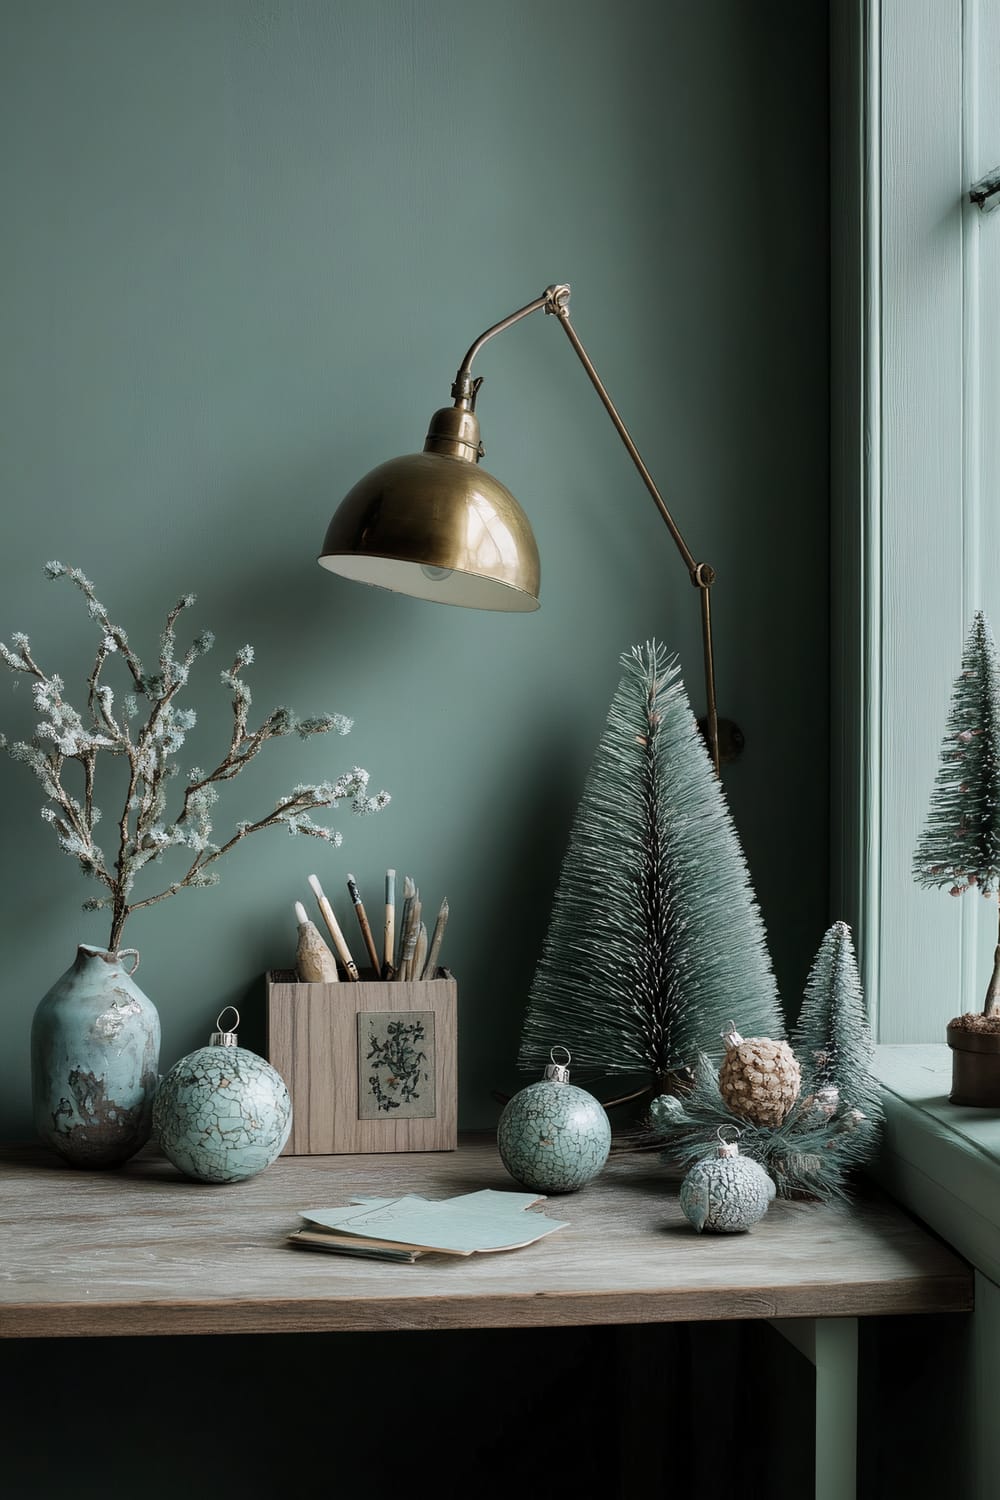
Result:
x=759 y=1079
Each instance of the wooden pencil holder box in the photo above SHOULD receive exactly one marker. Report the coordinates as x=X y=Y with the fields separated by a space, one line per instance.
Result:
x=370 y=1065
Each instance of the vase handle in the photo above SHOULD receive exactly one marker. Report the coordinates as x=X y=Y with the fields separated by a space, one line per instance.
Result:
x=131 y=953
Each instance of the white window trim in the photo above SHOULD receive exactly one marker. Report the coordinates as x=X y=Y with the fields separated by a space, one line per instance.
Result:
x=910 y=526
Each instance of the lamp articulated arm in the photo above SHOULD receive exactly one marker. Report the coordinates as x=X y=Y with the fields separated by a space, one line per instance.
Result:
x=555 y=300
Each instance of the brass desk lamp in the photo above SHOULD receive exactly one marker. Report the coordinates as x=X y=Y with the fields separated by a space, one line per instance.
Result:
x=437 y=526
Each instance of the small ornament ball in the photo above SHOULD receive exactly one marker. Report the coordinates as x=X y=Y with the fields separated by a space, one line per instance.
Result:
x=726 y=1193
x=222 y=1114
x=759 y=1078
x=554 y=1137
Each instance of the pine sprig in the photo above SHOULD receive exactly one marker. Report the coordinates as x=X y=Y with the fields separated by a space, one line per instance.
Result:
x=655 y=933
x=833 y=1127
x=65 y=737
x=807 y=1156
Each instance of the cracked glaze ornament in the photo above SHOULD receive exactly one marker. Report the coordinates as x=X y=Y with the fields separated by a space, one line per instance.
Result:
x=554 y=1137
x=222 y=1113
x=726 y=1193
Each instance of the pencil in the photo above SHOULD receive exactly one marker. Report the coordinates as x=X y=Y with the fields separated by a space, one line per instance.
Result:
x=362 y=916
x=432 y=955
x=388 y=952
x=339 y=940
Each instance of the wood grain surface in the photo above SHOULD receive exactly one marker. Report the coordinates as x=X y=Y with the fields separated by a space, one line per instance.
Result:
x=312 y=1040
x=141 y=1250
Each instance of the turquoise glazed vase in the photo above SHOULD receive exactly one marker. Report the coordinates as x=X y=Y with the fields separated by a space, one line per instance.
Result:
x=552 y=1136
x=95 y=1047
x=222 y=1113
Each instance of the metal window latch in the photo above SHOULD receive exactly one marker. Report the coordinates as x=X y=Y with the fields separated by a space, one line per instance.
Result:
x=986 y=192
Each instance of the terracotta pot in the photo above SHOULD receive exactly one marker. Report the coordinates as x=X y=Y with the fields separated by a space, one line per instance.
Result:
x=975 y=1067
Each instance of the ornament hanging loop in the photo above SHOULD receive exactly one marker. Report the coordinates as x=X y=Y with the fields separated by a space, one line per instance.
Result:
x=221 y=1037
x=556 y=1071
x=729 y=1148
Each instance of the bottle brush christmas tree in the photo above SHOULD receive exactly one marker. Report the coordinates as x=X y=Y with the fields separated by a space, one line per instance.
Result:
x=960 y=845
x=655 y=936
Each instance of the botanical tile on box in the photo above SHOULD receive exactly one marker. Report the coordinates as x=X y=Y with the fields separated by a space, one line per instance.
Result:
x=396 y=1065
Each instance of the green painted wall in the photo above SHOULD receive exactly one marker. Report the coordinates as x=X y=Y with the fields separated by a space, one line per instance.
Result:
x=245 y=246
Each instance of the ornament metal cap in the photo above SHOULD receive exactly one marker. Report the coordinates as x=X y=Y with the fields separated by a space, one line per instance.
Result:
x=221 y=1038
x=557 y=1072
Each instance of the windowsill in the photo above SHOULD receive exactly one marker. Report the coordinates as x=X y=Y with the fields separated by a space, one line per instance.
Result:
x=940 y=1160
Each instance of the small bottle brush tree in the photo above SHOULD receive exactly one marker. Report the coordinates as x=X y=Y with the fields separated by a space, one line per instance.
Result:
x=655 y=936
x=147 y=731
x=960 y=845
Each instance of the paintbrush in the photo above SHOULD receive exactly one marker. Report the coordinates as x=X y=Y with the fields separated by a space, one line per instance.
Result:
x=362 y=916
x=389 y=951
x=339 y=941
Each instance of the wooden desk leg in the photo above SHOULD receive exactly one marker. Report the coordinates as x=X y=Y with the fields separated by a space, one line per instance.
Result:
x=831 y=1344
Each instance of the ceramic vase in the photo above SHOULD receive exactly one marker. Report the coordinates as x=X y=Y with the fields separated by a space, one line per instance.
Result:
x=95 y=1046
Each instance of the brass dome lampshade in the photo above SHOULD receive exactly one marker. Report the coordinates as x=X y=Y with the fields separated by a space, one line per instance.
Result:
x=437 y=526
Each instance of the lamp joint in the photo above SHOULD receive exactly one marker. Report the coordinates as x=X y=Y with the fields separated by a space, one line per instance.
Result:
x=557 y=300
x=703 y=575
x=464 y=390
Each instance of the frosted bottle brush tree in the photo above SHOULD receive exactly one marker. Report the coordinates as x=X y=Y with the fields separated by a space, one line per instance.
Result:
x=655 y=936
x=959 y=849
x=147 y=730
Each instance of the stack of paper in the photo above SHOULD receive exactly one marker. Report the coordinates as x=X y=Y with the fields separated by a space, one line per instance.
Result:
x=405 y=1228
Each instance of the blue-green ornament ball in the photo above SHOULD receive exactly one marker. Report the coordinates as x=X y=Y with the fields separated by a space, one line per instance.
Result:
x=222 y=1114
x=726 y=1193
x=554 y=1137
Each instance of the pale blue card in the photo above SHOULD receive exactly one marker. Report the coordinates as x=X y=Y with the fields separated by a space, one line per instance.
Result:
x=483 y=1221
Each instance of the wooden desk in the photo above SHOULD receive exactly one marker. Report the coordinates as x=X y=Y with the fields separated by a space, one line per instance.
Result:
x=142 y=1251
